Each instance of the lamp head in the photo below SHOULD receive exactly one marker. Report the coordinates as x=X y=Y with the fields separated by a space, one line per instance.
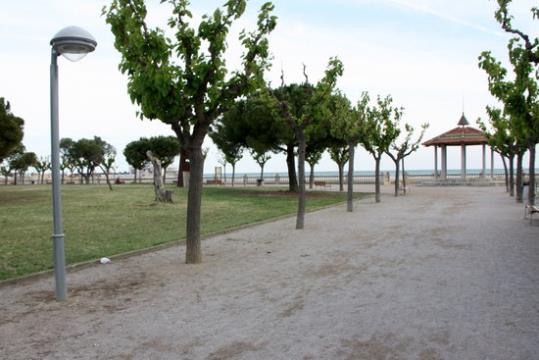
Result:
x=73 y=43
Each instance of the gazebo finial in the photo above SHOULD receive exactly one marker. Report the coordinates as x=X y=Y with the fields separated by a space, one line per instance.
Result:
x=463 y=121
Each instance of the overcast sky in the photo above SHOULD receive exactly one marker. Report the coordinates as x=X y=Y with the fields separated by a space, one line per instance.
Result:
x=422 y=52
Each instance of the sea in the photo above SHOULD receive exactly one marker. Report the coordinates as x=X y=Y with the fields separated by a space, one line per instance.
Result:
x=424 y=172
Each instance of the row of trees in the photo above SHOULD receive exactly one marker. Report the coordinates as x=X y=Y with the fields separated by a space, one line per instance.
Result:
x=184 y=82
x=256 y=124
x=86 y=156
x=514 y=127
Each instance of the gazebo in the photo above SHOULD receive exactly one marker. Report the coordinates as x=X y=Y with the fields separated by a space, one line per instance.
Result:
x=463 y=135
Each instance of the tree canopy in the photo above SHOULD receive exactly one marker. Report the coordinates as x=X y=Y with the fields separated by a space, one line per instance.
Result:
x=11 y=130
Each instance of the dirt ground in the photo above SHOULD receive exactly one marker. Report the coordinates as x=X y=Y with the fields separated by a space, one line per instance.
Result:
x=443 y=273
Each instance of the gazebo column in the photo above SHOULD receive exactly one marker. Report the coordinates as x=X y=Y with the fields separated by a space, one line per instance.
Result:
x=435 y=162
x=463 y=161
x=484 y=158
x=492 y=163
x=444 y=162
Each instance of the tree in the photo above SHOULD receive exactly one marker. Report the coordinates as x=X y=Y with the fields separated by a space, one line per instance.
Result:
x=301 y=105
x=313 y=155
x=183 y=85
x=520 y=95
x=8 y=164
x=67 y=160
x=504 y=141
x=255 y=123
x=41 y=165
x=5 y=171
x=135 y=155
x=161 y=194
x=107 y=160
x=11 y=130
x=87 y=154
x=404 y=149
x=348 y=126
x=224 y=136
x=21 y=162
x=261 y=159
x=380 y=131
x=340 y=153
x=166 y=148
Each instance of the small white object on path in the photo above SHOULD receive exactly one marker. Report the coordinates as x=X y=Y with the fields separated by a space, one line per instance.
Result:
x=105 y=260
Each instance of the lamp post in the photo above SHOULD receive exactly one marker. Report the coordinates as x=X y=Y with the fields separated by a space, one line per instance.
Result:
x=73 y=43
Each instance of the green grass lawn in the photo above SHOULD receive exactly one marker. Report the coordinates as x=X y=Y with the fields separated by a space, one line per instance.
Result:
x=99 y=222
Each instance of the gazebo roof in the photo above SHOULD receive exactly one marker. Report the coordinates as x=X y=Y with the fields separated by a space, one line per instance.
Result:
x=461 y=135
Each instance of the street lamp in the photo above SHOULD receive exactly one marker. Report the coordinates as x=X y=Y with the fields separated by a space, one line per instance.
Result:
x=73 y=43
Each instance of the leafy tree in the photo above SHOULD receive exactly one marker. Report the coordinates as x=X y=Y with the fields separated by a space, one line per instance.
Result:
x=340 y=154
x=87 y=155
x=261 y=159
x=8 y=164
x=107 y=160
x=41 y=165
x=5 y=171
x=505 y=142
x=67 y=160
x=255 y=123
x=520 y=95
x=301 y=105
x=21 y=162
x=183 y=85
x=313 y=154
x=348 y=126
x=380 y=131
x=135 y=154
x=403 y=150
x=227 y=139
x=11 y=130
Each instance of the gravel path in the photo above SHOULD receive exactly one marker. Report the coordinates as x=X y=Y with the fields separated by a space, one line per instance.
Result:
x=444 y=273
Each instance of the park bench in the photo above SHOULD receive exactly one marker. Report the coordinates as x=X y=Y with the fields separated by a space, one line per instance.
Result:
x=321 y=184
x=530 y=210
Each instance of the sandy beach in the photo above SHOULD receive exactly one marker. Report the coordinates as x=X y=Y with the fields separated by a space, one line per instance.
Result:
x=443 y=273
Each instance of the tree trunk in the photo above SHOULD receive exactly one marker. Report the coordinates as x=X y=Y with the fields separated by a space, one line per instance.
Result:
x=161 y=194
x=233 y=173
x=193 y=254
x=377 y=179
x=512 y=175
x=519 y=177
x=311 y=177
x=350 y=192
x=531 y=182
x=506 y=173
x=165 y=175
x=107 y=177
x=181 y=166
x=397 y=176
x=63 y=176
x=262 y=172
x=290 y=163
x=15 y=178
x=301 y=172
x=135 y=179
x=341 y=177
x=403 y=177
x=5 y=179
